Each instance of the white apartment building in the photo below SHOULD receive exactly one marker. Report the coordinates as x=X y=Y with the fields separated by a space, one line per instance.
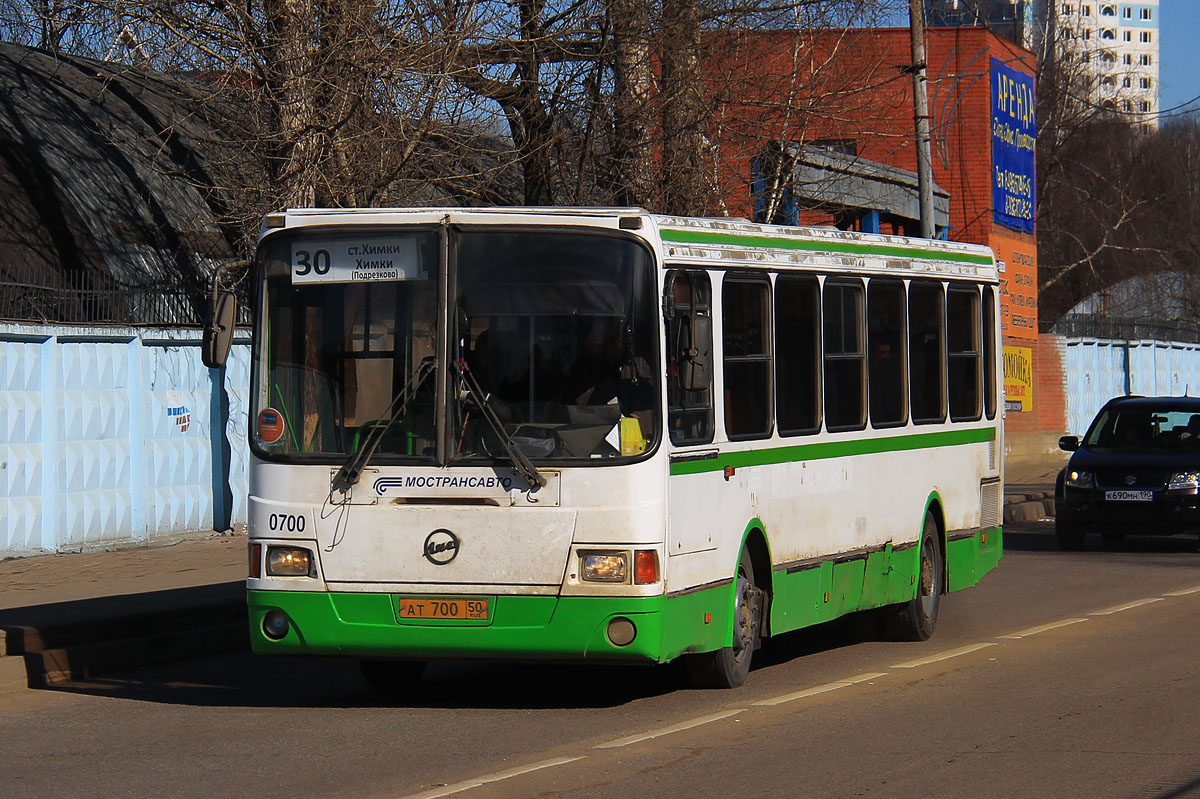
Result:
x=1116 y=46
x=1113 y=45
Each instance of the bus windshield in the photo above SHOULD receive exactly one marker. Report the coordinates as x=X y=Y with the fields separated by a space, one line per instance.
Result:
x=559 y=332
x=556 y=329
x=332 y=357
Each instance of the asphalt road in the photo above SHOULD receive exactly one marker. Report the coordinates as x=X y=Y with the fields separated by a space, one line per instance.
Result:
x=1061 y=675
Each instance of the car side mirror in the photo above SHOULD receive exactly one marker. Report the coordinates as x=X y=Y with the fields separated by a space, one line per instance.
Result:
x=1068 y=443
x=218 y=331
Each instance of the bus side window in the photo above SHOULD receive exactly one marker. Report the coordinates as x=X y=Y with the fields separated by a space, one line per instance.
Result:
x=798 y=362
x=845 y=360
x=962 y=340
x=886 y=327
x=689 y=408
x=989 y=351
x=746 y=322
x=927 y=351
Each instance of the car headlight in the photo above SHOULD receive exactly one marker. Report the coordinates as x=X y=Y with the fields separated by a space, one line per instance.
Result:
x=1184 y=480
x=605 y=567
x=288 y=562
x=1078 y=479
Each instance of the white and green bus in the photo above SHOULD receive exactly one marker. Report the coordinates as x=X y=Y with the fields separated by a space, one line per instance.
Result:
x=605 y=434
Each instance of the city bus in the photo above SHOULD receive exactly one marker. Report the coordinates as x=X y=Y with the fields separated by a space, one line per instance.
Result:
x=608 y=435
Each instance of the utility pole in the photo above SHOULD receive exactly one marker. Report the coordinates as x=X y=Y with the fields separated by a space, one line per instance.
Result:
x=916 y=26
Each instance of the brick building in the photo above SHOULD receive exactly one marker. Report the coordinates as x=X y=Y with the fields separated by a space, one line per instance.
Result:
x=850 y=91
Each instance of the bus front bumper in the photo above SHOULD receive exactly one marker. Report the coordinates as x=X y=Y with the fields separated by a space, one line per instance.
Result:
x=526 y=627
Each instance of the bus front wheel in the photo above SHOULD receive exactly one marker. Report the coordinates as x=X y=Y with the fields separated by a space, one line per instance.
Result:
x=728 y=666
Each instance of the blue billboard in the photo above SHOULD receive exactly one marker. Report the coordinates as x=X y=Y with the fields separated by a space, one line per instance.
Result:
x=1014 y=137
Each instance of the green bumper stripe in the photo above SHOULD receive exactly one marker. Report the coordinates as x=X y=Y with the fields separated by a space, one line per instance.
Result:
x=811 y=245
x=365 y=625
x=834 y=449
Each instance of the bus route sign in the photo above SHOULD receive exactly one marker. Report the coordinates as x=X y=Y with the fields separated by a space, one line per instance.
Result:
x=365 y=260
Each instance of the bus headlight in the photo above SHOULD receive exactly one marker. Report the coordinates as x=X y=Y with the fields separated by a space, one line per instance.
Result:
x=1077 y=479
x=288 y=562
x=605 y=567
x=1184 y=480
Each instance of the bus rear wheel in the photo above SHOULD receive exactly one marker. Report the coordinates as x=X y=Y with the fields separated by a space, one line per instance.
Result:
x=914 y=620
x=728 y=666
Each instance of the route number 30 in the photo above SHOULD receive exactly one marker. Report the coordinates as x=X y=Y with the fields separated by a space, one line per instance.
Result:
x=317 y=261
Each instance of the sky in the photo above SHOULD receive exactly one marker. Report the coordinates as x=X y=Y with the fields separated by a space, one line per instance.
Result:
x=1179 y=56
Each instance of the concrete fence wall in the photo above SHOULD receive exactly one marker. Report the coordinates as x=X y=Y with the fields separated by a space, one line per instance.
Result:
x=112 y=434
x=1100 y=369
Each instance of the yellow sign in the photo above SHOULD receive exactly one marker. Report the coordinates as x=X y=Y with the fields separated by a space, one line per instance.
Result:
x=1018 y=379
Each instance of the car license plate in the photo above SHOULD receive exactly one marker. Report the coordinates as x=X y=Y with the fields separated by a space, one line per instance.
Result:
x=1129 y=496
x=439 y=608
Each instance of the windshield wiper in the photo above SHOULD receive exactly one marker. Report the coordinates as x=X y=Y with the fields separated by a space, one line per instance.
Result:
x=521 y=463
x=352 y=469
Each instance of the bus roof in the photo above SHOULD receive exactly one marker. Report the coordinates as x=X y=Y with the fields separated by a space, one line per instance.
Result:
x=718 y=241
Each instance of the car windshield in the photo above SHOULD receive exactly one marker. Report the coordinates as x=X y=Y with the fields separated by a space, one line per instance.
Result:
x=1145 y=428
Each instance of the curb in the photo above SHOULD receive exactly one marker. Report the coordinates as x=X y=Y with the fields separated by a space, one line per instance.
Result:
x=1030 y=507
x=54 y=644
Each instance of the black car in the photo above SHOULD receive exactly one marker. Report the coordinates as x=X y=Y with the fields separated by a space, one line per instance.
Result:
x=1135 y=471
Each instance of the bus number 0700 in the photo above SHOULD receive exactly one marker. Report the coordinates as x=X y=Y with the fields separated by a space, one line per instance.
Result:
x=286 y=523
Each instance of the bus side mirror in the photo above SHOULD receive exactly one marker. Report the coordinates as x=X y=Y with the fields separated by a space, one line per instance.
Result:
x=218 y=332
x=695 y=363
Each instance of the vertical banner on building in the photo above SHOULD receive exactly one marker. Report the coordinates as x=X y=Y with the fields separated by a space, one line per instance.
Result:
x=1014 y=133
x=1018 y=379
x=1016 y=257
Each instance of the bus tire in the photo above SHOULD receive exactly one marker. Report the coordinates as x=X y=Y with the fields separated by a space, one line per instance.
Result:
x=914 y=620
x=391 y=678
x=728 y=666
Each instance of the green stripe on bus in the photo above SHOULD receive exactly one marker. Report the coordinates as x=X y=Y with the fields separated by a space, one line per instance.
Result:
x=834 y=449
x=770 y=242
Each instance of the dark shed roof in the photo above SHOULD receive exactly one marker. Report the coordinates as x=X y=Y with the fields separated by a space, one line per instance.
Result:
x=109 y=181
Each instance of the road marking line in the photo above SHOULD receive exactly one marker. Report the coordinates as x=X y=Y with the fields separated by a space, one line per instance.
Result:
x=953 y=653
x=1054 y=625
x=807 y=692
x=870 y=675
x=1184 y=592
x=499 y=776
x=820 y=689
x=680 y=727
x=1126 y=606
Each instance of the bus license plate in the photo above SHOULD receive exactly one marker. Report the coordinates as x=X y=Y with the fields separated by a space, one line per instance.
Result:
x=435 y=608
x=1129 y=496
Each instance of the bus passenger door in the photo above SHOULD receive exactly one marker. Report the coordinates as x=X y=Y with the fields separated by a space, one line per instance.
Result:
x=692 y=496
x=695 y=481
